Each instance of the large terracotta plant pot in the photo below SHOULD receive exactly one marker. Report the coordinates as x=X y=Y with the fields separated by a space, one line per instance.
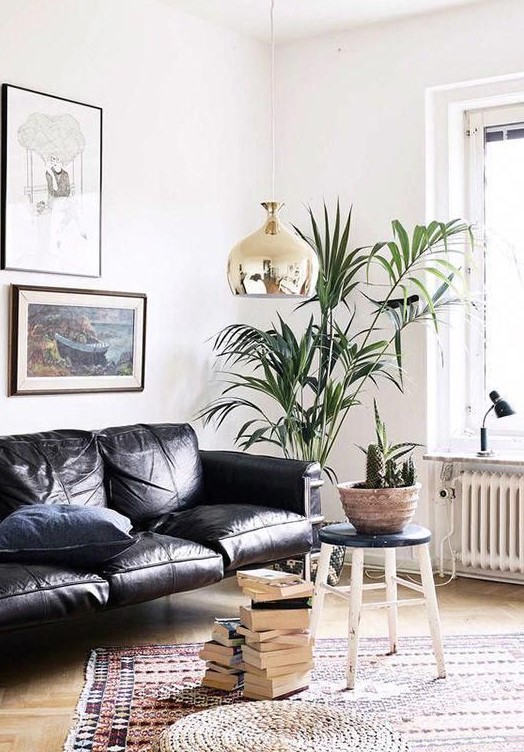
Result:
x=378 y=510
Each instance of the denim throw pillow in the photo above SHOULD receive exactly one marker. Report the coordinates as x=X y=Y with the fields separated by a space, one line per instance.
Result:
x=64 y=534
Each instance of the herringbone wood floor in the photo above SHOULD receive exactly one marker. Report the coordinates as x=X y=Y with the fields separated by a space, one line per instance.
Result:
x=41 y=669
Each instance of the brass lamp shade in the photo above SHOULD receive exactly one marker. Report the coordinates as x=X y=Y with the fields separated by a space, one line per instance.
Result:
x=272 y=261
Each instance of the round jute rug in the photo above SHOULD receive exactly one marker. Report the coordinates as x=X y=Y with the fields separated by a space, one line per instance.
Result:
x=278 y=726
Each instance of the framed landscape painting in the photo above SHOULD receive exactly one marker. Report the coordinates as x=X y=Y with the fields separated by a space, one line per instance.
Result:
x=65 y=340
x=51 y=184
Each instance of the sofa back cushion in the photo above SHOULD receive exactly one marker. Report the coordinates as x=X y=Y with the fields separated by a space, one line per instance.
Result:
x=54 y=467
x=152 y=469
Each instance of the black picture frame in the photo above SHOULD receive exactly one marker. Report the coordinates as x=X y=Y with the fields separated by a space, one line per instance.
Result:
x=51 y=184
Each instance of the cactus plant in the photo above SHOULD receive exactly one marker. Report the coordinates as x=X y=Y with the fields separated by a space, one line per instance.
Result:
x=383 y=468
x=375 y=467
x=409 y=472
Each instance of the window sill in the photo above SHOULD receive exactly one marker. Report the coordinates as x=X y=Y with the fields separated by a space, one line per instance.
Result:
x=498 y=458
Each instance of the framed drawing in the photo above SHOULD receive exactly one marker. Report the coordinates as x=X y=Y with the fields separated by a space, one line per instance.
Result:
x=65 y=340
x=51 y=184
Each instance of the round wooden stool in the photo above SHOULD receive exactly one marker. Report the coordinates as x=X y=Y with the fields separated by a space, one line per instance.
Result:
x=344 y=534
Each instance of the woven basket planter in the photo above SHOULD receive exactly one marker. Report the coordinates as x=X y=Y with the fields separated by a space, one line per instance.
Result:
x=378 y=510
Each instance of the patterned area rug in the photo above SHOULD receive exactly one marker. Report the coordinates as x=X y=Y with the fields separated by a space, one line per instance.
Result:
x=133 y=693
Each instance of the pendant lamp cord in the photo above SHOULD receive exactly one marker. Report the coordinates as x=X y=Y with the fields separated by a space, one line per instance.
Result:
x=272 y=24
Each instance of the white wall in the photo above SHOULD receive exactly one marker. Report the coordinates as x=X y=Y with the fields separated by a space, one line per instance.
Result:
x=351 y=123
x=185 y=162
x=186 y=111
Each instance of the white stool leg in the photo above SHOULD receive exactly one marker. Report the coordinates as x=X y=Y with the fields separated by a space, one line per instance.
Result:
x=319 y=592
x=307 y=567
x=391 y=595
x=430 y=595
x=355 y=603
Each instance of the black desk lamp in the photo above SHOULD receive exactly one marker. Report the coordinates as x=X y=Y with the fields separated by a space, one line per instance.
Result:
x=502 y=408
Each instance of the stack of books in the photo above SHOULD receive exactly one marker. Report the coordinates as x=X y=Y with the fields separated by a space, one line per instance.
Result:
x=278 y=650
x=223 y=656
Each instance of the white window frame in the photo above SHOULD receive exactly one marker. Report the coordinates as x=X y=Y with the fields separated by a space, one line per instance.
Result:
x=450 y=194
x=475 y=122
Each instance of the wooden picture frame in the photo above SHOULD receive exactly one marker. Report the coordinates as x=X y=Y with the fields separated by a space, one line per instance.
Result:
x=66 y=340
x=51 y=186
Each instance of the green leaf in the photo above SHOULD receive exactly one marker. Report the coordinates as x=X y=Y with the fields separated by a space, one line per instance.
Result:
x=402 y=235
x=336 y=231
x=428 y=299
x=385 y=264
x=327 y=242
x=418 y=241
x=398 y=353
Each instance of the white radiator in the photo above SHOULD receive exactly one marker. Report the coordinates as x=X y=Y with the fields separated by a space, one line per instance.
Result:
x=492 y=524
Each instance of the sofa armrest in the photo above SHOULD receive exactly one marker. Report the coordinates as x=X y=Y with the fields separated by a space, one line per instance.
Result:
x=240 y=478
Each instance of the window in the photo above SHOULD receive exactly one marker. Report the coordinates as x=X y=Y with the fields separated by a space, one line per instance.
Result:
x=495 y=203
x=475 y=170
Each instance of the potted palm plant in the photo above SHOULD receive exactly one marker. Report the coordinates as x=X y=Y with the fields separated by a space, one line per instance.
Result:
x=299 y=384
x=387 y=500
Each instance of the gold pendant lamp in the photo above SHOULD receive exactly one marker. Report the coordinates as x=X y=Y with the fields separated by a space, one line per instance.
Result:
x=273 y=261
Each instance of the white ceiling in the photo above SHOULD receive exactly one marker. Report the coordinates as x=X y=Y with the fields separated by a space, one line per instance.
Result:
x=295 y=19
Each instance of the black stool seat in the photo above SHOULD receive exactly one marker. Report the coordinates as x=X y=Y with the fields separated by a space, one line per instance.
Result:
x=344 y=534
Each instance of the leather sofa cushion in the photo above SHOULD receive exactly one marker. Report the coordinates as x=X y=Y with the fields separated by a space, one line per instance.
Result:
x=158 y=565
x=64 y=534
x=243 y=533
x=37 y=593
x=55 y=467
x=153 y=469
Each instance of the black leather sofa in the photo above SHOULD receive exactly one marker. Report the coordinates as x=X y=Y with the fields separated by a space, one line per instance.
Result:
x=198 y=515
